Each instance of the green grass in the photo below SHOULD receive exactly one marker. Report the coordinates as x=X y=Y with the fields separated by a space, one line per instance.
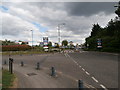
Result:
x=7 y=79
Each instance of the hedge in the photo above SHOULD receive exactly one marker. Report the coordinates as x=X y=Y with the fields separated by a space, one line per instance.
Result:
x=15 y=47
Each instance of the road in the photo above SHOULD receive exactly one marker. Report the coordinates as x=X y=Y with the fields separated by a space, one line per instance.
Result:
x=97 y=70
x=102 y=67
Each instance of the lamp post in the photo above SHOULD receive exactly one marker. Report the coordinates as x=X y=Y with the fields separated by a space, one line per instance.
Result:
x=32 y=37
x=59 y=26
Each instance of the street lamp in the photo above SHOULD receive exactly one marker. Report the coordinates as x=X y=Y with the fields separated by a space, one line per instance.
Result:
x=59 y=25
x=32 y=37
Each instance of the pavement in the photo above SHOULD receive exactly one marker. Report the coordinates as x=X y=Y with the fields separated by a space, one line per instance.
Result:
x=96 y=70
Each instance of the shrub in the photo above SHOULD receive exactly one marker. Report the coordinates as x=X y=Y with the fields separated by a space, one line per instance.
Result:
x=15 y=47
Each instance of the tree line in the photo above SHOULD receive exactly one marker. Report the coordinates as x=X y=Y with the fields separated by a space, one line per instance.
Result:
x=110 y=36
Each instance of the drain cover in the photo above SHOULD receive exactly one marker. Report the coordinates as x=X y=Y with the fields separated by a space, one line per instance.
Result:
x=31 y=74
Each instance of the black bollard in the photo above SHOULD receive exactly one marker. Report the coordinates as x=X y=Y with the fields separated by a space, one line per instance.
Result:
x=11 y=65
x=38 y=66
x=80 y=84
x=22 y=63
x=53 y=71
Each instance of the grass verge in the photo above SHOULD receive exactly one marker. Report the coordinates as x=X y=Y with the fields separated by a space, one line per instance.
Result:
x=7 y=79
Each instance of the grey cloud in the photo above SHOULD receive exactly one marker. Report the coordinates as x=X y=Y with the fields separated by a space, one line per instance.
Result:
x=89 y=8
x=77 y=17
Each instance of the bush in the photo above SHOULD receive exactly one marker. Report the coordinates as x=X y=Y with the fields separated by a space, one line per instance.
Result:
x=15 y=47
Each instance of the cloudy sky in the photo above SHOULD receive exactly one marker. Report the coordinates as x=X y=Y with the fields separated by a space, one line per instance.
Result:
x=19 y=18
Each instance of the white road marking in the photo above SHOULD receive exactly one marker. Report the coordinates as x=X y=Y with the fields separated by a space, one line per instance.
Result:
x=65 y=55
x=91 y=86
x=103 y=87
x=26 y=75
x=68 y=56
x=83 y=69
x=95 y=79
x=77 y=64
x=74 y=61
x=59 y=72
x=87 y=73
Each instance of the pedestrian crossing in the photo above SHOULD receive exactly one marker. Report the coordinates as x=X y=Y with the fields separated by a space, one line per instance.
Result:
x=68 y=51
x=72 y=51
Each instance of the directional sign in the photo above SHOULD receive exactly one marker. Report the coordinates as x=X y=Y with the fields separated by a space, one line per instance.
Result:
x=99 y=43
x=45 y=40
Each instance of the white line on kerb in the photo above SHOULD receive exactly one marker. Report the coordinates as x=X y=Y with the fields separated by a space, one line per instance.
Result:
x=79 y=66
x=103 y=86
x=95 y=79
x=87 y=73
x=26 y=75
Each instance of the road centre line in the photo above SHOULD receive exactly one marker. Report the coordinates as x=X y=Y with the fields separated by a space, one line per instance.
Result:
x=77 y=64
x=87 y=73
x=94 y=79
x=83 y=69
x=103 y=87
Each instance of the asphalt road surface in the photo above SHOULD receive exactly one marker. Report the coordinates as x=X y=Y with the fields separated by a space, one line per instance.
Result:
x=96 y=70
x=102 y=67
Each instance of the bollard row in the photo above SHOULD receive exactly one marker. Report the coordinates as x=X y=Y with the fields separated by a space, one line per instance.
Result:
x=53 y=71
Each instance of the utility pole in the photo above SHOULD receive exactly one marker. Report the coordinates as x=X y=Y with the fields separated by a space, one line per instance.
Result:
x=59 y=34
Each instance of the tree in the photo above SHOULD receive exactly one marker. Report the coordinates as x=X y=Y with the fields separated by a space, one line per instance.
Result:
x=8 y=42
x=24 y=43
x=49 y=44
x=118 y=9
x=110 y=36
x=96 y=28
x=110 y=28
x=71 y=44
x=64 y=43
x=56 y=45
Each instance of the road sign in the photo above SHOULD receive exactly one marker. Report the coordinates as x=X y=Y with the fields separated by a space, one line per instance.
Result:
x=99 y=43
x=45 y=40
